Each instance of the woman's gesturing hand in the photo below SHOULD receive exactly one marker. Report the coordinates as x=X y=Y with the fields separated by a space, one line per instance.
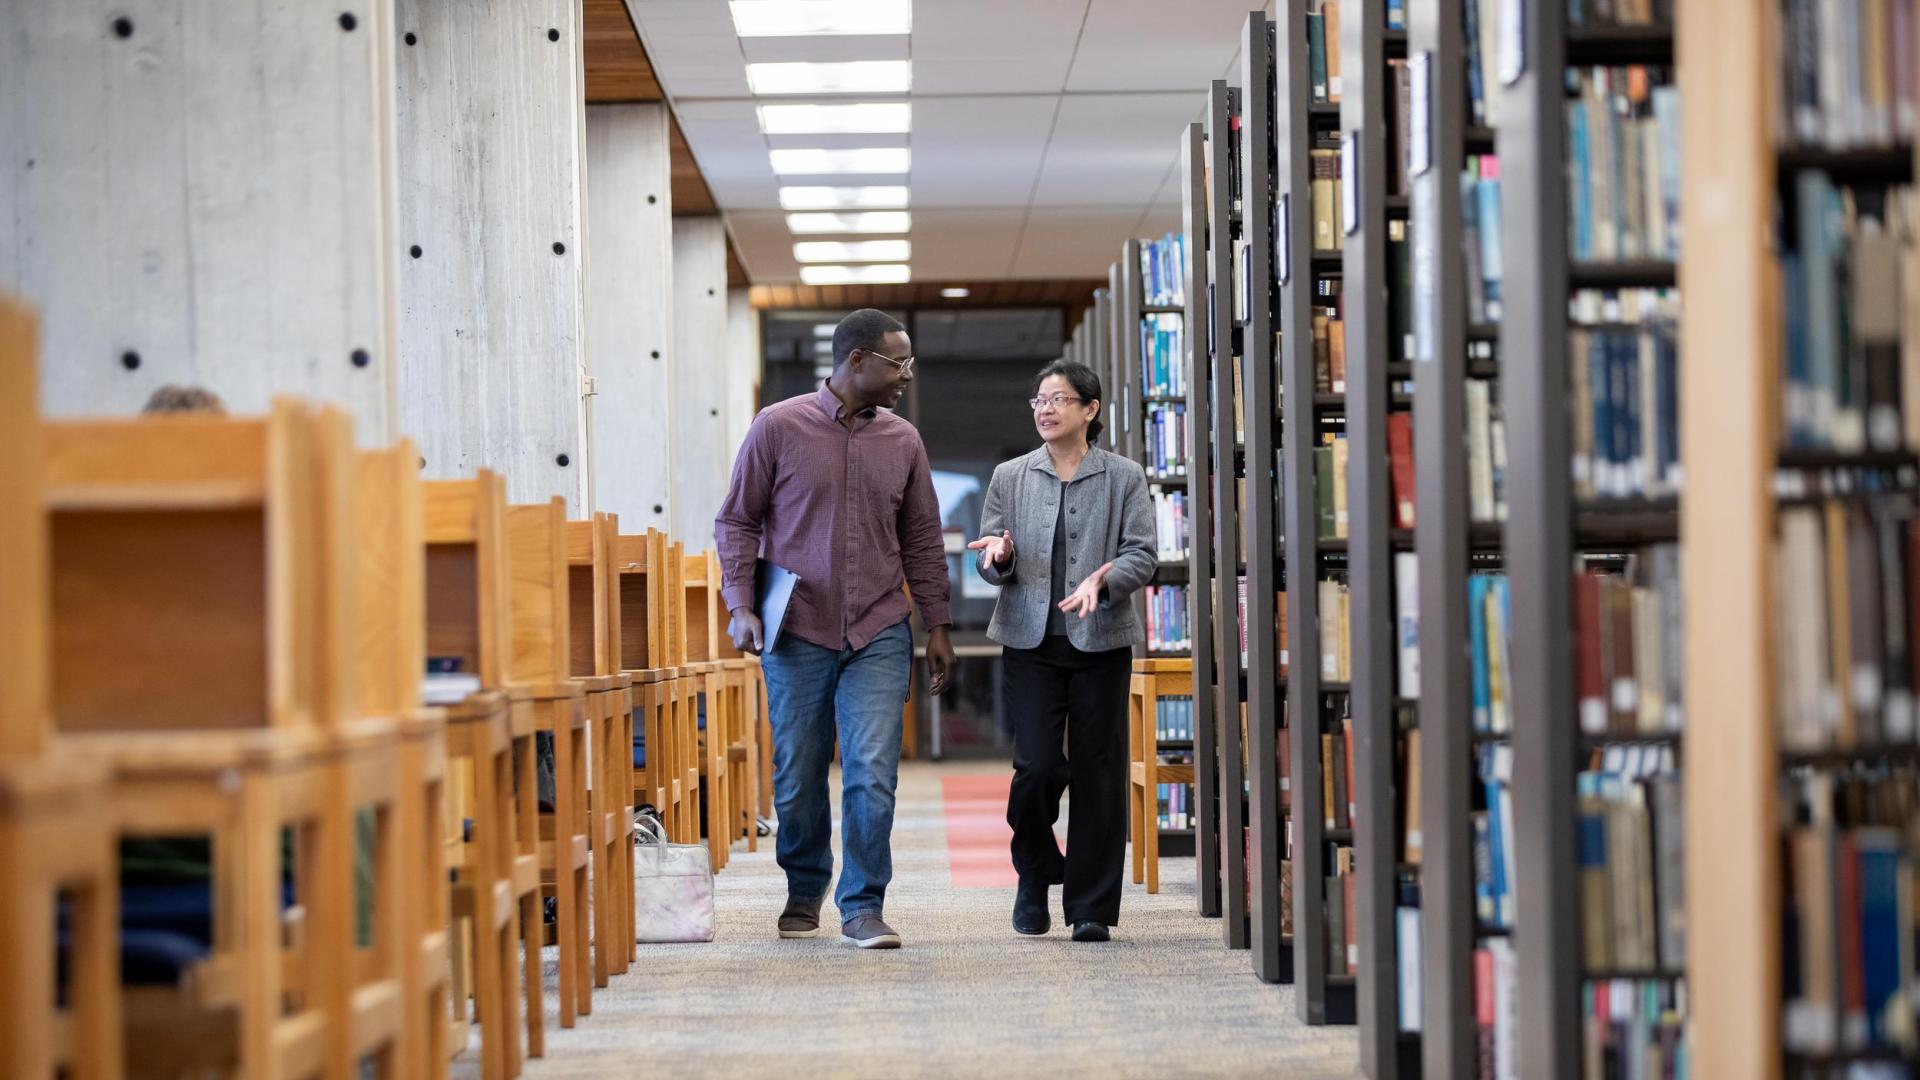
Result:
x=998 y=549
x=1087 y=597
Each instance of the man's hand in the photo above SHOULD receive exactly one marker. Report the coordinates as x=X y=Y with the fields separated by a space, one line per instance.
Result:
x=1087 y=597
x=746 y=631
x=998 y=549
x=939 y=660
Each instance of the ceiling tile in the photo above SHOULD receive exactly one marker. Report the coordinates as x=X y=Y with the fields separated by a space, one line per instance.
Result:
x=978 y=151
x=1114 y=149
x=1154 y=45
x=1003 y=46
x=964 y=244
x=1073 y=243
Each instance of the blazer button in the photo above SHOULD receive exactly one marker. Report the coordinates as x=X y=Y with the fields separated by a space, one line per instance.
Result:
x=1073 y=509
x=1073 y=536
x=1073 y=558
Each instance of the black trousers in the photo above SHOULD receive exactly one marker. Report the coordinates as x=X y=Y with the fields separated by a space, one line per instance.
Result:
x=1069 y=714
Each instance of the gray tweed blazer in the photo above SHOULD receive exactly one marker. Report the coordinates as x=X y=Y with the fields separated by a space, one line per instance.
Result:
x=1109 y=519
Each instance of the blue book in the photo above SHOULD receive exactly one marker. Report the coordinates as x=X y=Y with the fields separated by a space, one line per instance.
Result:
x=1880 y=929
x=1477 y=634
x=1793 y=279
x=1496 y=851
x=773 y=593
x=1582 y=187
x=1483 y=905
x=1470 y=34
x=1488 y=190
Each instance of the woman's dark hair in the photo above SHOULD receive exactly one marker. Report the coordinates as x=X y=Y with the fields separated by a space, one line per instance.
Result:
x=1085 y=384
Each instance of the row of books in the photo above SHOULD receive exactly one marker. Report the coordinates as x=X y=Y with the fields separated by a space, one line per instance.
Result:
x=1584 y=14
x=1279 y=626
x=1337 y=794
x=1623 y=133
x=1172 y=531
x=1851 y=373
x=1480 y=236
x=1848 y=72
x=1163 y=355
x=1481 y=36
x=1623 y=363
x=1163 y=270
x=1847 y=596
x=1167 y=626
x=1486 y=453
x=1493 y=858
x=1630 y=854
x=1628 y=673
x=1636 y=1029
x=1343 y=947
x=1323 y=50
x=1489 y=617
x=1329 y=347
x=1173 y=719
x=1849 y=962
x=1336 y=635
x=1331 y=465
x=1166 y=440
x=1175 y=802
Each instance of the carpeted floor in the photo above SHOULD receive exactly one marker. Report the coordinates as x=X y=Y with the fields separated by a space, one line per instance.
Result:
x=965 y=997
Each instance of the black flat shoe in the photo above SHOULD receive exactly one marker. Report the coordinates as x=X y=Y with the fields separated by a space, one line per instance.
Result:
x=1090 y=931
x=1030 y=915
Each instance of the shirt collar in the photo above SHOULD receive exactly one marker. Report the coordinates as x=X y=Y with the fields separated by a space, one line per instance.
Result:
x=831 y=405
x=1091 y=465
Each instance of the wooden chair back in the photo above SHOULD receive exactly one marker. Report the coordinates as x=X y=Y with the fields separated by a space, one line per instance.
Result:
x=701 y=584
x=593 y=589
x=26 y=722
x=465 y=526
x=538 y=597
x=391 y=594
x=187 y=572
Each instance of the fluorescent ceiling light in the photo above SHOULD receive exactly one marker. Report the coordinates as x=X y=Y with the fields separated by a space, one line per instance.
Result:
x=868 y=118
x=824 y=330
x=875 y=274
x=795 y=18
x=820 y=251
x=956 y=294
x=872 y=159
x=842 y=198
x=824 y=348
x=843 y=77
x=872 y=221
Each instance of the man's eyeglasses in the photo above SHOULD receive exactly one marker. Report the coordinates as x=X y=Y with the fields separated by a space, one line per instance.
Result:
x=905 y=364
x=1055 y=400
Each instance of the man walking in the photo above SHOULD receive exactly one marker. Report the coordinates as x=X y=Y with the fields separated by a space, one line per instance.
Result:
x=835 y=488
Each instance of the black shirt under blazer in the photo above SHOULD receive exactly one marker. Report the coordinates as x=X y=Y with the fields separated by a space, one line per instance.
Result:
x=1109 y=519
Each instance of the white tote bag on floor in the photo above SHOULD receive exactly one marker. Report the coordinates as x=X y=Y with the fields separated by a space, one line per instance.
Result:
x=673 y=888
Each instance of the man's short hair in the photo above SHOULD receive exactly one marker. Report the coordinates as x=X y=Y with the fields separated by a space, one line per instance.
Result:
x=865 y=329
x=184 y=399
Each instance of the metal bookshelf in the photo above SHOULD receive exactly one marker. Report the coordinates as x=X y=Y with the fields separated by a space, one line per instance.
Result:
x=1320 y=996
x=1546 y=528
x=1367 y=94
x=1201 y=435
x=1223 y=336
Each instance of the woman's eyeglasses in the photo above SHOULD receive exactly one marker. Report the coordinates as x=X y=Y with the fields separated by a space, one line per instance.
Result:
x=1055 y=400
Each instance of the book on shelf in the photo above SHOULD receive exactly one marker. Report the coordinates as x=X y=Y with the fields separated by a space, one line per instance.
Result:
x=1330 y=460
x=1400 y=292
x=1399 y=126
x=1175 y=805
x=1623 y=174
x=1412 y=841
x=1396 y=14
x=1640 y=1022
x=1490 y=658
x=1852 y=378
x=1336 y=658
x=1847 y=78
x=1486 y=453
x=1324 y=193
x=1480 y=237
x=1845 y=602
x=1406 y=944
x=1167 y=618
x=1630 y=859
x=1166 y=439
x=1406 y=624
x=1493 y=840
x=1323 y=50
x=1163 y=350
x=1479 y=37
x=1496 y=974
x=1624 y=384
x=1336 y=776
x=1163 y=273
x=1342 y=948
x=1171 y=529
x=1401 y=468
x=1280 y=628
x=1173 y=719
x=1628 y=670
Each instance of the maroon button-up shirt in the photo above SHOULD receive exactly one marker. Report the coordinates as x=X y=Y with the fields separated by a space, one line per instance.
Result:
x=852 y=513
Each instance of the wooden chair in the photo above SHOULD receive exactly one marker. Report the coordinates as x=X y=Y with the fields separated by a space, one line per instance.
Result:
x=391 y=622
x=595 y=639
x=649 y=645
x=490 y=741
x=1151 y=680
x=541 y=662
x=707 y=676
x=193 y=610
x=56 y=831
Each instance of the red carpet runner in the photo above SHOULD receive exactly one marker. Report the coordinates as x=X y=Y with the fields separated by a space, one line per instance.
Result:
x=977 y=832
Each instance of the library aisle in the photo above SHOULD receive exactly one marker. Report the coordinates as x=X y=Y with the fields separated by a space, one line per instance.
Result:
x=964 y=997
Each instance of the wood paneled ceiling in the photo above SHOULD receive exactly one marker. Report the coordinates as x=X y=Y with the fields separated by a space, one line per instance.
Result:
x=618 y=70
x=1076 y=295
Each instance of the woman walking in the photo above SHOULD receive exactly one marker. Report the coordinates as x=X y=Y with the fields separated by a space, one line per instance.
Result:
x=1067 y=535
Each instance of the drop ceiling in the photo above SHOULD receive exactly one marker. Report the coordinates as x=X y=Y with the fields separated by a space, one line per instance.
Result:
x=1044 y=133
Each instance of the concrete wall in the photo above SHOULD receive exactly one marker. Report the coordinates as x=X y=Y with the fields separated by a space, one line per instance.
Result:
x=701 y=375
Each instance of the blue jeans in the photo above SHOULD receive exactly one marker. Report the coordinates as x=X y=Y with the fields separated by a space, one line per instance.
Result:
x=811 y=693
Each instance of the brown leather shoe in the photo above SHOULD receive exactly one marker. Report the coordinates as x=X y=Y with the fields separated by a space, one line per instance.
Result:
x=801 y=919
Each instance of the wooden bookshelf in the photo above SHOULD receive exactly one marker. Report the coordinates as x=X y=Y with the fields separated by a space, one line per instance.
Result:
x=1201 y=569
x=1297 y=122
x=1223 y=221
x=1548 y=528
x=1367 y=101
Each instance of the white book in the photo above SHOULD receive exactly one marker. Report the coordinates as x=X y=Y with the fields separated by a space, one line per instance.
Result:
x=1406 y=591
x=1505 y=1005
x=1407 y=946
x=1479 y=452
